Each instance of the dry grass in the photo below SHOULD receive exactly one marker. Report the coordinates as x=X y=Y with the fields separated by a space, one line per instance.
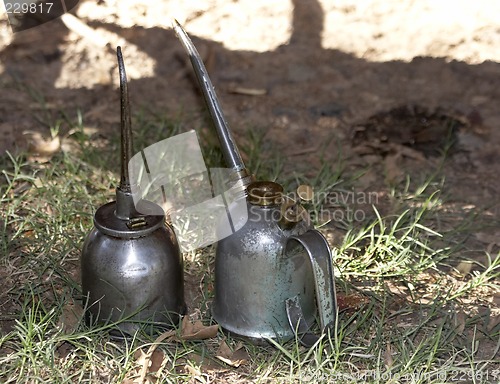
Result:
x=405 y=314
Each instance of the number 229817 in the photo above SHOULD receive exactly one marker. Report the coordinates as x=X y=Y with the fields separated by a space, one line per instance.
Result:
x=18 y=8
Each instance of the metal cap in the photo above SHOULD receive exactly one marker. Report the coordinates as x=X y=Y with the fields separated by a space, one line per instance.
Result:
x=107 y=222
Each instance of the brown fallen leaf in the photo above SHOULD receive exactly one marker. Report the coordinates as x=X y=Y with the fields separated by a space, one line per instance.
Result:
x=196 y=375
x=157 y=359
x=351 y=302
x=224 y=349
x=233 y=358
x=64 y=349
x=205 y=363
x=38 y=145
x=389 y=361
x=149 y=362
x=196 y=330
x=460 y=319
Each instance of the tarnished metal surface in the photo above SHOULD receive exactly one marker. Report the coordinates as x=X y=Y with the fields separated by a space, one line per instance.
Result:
x=267 y=272
x=253 y=278
x=131 y=265
x=298 y=322
x=260 y=267
x=140 y=279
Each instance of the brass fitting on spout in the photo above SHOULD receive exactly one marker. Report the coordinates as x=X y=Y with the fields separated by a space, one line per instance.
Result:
x=293 y=211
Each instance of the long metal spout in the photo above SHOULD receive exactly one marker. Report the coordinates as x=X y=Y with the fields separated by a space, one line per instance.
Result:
x=125 y=208
x=230 y=151
x=126 y=125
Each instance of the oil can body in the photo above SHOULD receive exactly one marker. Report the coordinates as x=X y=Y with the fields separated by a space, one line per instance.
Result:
x=138 y=279
x=254 y=277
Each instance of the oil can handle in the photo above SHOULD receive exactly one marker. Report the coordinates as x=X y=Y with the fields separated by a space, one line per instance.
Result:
x=320 y=257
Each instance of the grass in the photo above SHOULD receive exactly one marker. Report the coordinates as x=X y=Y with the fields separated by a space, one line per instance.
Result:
x=406 y=316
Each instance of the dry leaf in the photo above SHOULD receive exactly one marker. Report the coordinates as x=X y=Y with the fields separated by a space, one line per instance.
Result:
x=248 y=91
x=157 y=359
x=464 y=268
x=224 y=350
x=140 y=357
x=196 y=375
x=197 y=331
x=350 y=302
x=148 y=362
x=86 y=130
x=460 y=322
x=233 y=358
x=205 y=363
x=38 y=145
x=64 y=349
x=389 y=361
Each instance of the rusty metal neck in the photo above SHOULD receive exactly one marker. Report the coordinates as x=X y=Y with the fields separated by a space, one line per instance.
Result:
x=231 y=153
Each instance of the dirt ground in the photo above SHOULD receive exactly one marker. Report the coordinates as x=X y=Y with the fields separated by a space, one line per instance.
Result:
x=382 y=81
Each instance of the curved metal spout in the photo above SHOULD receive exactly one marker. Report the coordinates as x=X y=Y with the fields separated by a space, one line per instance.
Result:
x=231 y=154
x=125 y=208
